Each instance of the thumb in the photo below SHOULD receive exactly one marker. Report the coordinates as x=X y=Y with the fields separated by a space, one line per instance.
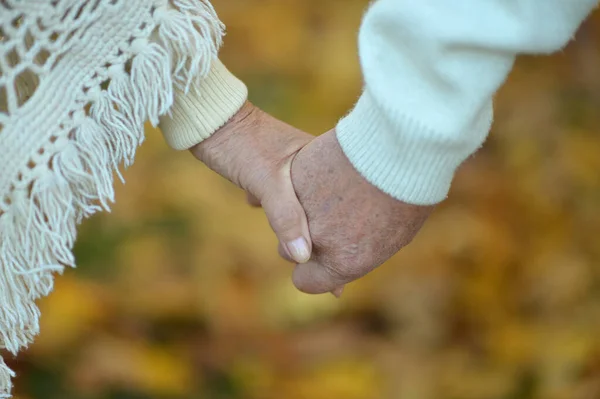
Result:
x=252 y=200
x=288 y=221
x=287 y=218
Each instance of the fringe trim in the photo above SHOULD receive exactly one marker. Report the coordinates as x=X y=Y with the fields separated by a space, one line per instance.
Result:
x=6 y=374
x=38 y=231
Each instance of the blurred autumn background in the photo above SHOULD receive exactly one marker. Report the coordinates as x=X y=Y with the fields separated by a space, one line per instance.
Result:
x=180 y=293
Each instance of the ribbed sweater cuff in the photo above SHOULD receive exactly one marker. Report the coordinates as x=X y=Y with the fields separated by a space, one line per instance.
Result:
x=404 y=159
x=209 y=104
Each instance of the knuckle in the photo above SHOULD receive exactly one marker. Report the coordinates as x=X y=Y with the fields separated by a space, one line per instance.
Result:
x=285 y=219
x=349 y=262
x=344 y=271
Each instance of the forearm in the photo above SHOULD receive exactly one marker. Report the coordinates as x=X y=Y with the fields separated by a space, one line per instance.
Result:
x=431 y=69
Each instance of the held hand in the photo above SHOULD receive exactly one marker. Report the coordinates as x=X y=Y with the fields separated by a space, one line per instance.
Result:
x=354 y=226
x=255 y=151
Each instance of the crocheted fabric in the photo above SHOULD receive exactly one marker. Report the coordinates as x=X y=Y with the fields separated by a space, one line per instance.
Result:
x=78 y=79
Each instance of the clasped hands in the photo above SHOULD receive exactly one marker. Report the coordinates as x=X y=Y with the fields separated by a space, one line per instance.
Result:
x=329 y=220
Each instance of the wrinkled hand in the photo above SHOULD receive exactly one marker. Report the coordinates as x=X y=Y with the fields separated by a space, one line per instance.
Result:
x=255 y=152
x=354 y=226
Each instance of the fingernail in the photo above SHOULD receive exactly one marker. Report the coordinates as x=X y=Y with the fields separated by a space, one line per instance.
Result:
x=338 y=292
x=298 y=249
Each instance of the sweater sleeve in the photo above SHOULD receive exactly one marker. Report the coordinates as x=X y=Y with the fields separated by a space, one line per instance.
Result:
x=210 y=102
x=431 y=68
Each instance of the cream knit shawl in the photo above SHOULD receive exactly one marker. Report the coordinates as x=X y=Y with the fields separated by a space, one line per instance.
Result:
x=78 y=79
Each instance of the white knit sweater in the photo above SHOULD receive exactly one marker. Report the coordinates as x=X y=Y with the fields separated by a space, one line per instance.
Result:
x=431 y=69
x=78 y=78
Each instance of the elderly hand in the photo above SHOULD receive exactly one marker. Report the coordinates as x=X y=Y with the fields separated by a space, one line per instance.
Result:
x=354 y=226
x=255 y=152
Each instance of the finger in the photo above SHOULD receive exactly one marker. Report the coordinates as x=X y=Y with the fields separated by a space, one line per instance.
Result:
x=284 y=253
x=338 y=292
x=252 y=200
x=313 y=278
x=288 y=221
x=287 y=217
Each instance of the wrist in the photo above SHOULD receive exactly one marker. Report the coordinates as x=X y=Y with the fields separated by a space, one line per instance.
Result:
x=221 y=151
x=402 y=155
x=250 y=148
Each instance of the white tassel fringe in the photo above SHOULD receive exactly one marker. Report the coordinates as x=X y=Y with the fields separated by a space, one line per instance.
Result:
x=38 y=231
